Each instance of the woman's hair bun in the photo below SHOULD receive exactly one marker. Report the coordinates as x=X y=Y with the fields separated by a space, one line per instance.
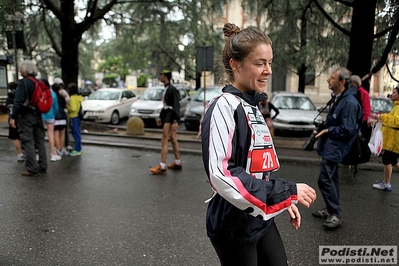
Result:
x=230 y=29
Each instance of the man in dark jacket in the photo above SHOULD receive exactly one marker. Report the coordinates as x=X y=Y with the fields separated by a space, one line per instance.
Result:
x=30 y=123
x=342 y=125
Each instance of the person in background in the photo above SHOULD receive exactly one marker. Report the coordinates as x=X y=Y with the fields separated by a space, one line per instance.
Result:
x=73 y=108
x=63 y=92
x=169 y=119
x=235 y=140
x=49 y=120
x=390 y=143
x=341 y=127
x=60 y=123
x=13 y=132
x=365 y=103
x=30 y=124
x=265 y=108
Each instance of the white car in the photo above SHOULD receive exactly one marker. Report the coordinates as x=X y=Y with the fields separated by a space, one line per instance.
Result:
x=297 y=112
x=150 y=104
x=108 y=105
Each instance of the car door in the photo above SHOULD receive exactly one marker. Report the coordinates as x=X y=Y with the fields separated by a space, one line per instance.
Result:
x=184 y=100
x=128 y=97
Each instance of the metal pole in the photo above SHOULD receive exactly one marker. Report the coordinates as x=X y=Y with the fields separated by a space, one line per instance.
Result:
x=14 y=39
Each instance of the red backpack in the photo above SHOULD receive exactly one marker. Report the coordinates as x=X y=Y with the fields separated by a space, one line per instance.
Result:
x=41 y=96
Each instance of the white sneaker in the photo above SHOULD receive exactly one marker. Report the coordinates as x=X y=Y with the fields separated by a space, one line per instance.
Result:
x=55 y=158
x=58 y=152
x=69 y=148
x=21 y=157
x=64 y=152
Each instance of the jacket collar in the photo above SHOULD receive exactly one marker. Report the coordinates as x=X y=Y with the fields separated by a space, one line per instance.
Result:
x=251 y=97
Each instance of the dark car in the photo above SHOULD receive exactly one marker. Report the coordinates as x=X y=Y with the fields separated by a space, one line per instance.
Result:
x=195 y=108
x=381 y=105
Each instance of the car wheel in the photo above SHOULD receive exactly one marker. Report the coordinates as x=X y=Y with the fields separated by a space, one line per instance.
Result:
x=115 y=118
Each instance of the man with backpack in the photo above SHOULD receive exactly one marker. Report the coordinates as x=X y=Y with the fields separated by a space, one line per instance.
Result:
x=341 y=128
x=30 y=123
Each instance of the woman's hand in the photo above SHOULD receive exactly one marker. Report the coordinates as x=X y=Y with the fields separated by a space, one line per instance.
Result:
x=306 y=194
x=295 y=216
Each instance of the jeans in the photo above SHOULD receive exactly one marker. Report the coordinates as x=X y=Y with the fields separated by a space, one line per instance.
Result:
x=329 y=186
x=75 y=127
x=31 y=132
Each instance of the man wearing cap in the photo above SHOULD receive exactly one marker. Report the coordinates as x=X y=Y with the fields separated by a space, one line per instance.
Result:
x=169 y=118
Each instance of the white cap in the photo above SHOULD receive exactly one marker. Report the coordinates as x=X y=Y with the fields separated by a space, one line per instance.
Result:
x=58 y=81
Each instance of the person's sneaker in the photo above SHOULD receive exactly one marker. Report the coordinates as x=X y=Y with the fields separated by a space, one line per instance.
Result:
x=69 y=148
x=157 y=170
x=383 y=186
x=28 y=173
x=175 y=166
x=332 y=222
x=58 y=152
x=64 y=152
x=55 y=158
x=75 y=153
x=323 y=213
x=21 y=157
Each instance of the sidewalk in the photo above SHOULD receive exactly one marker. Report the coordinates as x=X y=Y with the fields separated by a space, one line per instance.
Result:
x=288 y=149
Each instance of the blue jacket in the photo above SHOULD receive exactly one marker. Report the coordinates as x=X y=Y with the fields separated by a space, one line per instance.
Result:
x=24 y=91
x=54 y=107
x=343 y=123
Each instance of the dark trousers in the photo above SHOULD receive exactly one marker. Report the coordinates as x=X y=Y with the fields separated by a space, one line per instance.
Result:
x=269 y=250
x=329 y=186
x=31 y=132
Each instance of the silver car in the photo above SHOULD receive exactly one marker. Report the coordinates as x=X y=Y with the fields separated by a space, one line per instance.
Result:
x=297 y=112
x=149 y=105
x=195 y=109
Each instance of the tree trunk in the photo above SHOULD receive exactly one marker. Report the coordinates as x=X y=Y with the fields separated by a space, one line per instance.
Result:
x=70 y=55
x=302 y=78
x=361 y=39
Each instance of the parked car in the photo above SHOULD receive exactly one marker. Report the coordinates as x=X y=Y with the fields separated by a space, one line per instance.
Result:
x=108 y=105
x=297 y=112
x=149 y=105
x=381 y=105
x=195 y=108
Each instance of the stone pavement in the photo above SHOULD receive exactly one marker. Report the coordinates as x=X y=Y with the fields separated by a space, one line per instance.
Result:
x=288 y=148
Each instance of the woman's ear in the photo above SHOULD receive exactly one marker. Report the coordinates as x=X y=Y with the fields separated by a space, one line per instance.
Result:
x=233 y=64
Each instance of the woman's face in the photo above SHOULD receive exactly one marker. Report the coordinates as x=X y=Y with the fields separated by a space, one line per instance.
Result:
x=254 y=72
x=395 y=95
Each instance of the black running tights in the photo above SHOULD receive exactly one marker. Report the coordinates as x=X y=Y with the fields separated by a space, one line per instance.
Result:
x=269 y=250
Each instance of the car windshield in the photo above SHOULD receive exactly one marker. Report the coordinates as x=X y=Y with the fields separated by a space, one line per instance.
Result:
x=210 y=94
x=152 y=94
x=294 y=102
x=381 y=105
x=104 y=95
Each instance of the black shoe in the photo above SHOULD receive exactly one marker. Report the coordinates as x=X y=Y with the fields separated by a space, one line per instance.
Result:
x=43 y=170
x=28 y=173
x=323 y=213
x=332 y=222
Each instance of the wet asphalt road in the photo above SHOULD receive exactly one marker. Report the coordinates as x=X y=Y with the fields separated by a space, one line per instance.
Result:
x=105 y=208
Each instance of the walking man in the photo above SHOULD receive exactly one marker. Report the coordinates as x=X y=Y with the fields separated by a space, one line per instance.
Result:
x=342 y=125
x=30 y=123
x=169 y=119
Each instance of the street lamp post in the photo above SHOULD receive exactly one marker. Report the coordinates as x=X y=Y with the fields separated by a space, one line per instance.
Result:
x=13 y=18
